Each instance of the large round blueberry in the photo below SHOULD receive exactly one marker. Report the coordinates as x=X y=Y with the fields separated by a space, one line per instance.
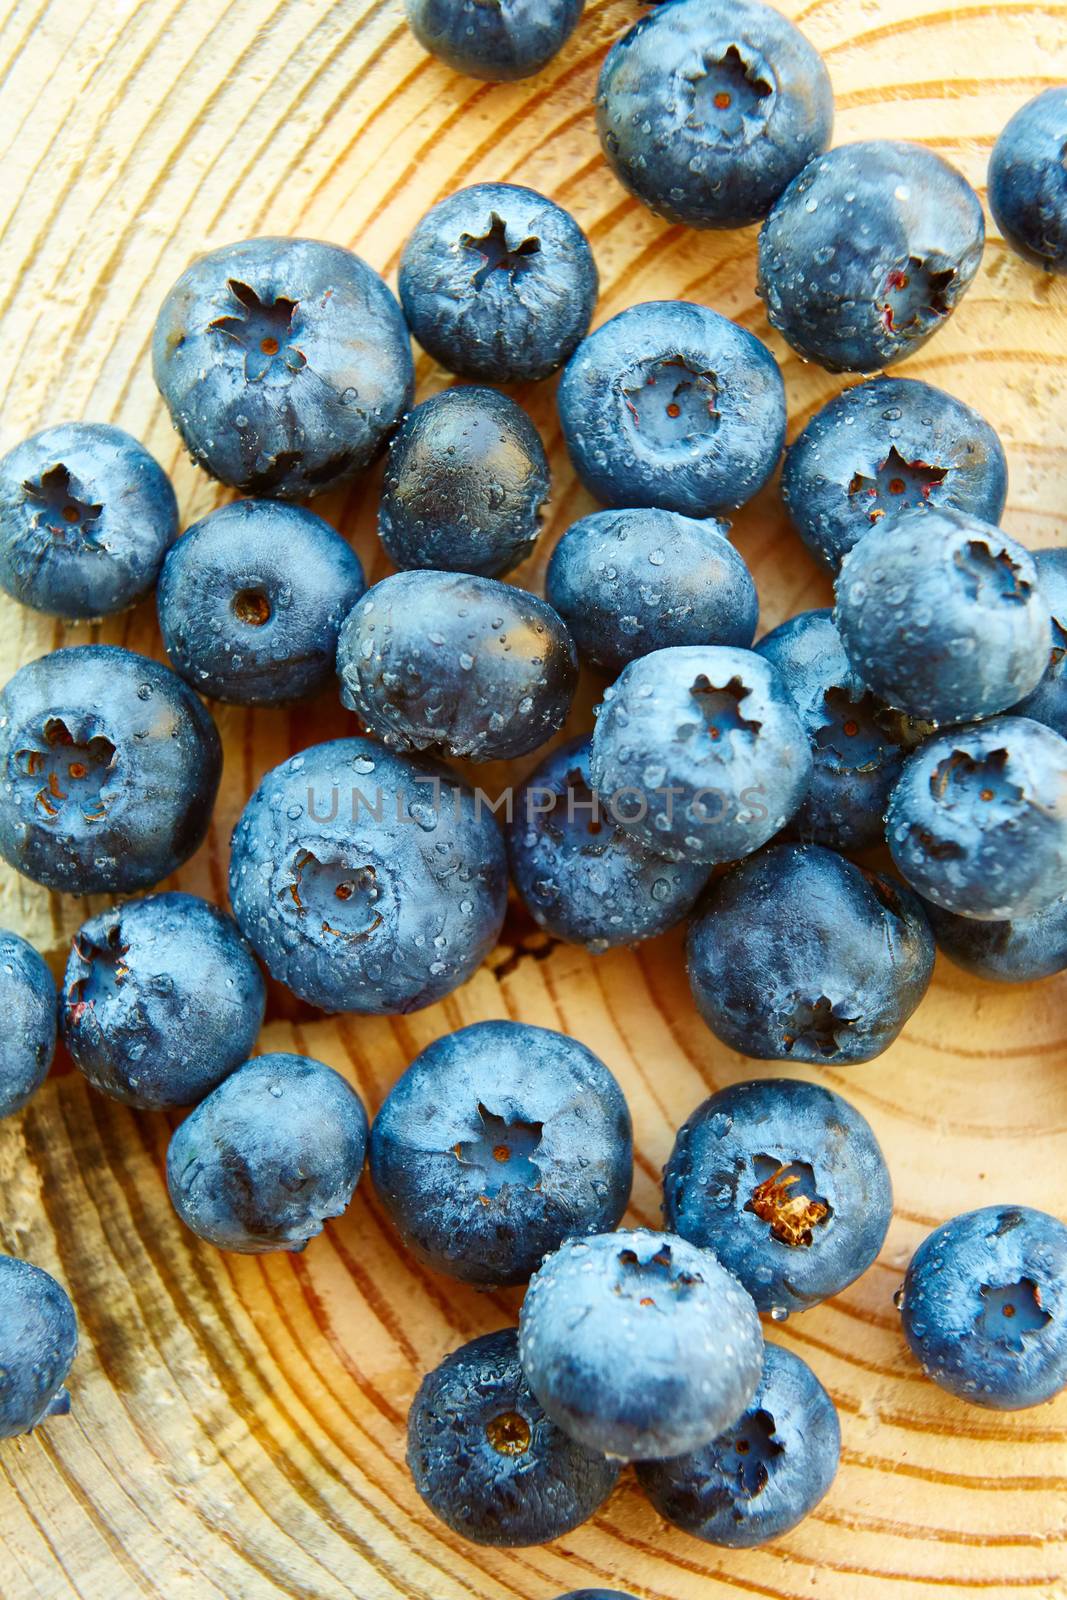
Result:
x=86 y=517
x=465 y=485
x=499 y=1142
x=978 y=819
x=271 y=1154
x=582 y=876
x=366 y=881
x=1019 y=951
x=1028 y=182
x=38 y=1343
x=456 y=664
x=596 y=1594
x=627 y=582
x=762 y=1476
x=1048 y=702
x=671 y=405
x=868 y=252
x=707 y=109
x=500 y=40
x=984 y=1307
x=497 y=282
x=799 y=955
x=942 y=615
x=285 y=364
x=162 y=999
x=110 y=766
x=487 y=1459
x=888 y=445
x=699 y=753
x=639 y=1344
x=28 y=1007
x=251 y=602
x=786 y=1183
x=857 y=742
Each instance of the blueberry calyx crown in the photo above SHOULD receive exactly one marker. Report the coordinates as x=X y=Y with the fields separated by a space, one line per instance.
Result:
x=497 y=255
x=265 y=330
x=786 y=1198
x=62 y=508
x=503 y=1152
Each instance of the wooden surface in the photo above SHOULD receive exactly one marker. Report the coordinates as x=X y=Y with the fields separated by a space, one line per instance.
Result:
x=237 y=1431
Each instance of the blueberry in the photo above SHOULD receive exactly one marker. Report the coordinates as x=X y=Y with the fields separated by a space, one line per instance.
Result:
x=110 y=768
x=857 y=742
x=465 y=485
x=942 y=615
x=38 y=1343
x=596 y=1594
x=488 y=1461
x=984 y=1307
x=627 y=582
x=271 y=1154
x=785 y=1182
x=671 y=405
x=582 y=876
x=28 y=1007
x=978 y=820
x=868 y=252
x=86 y=517
x=285 y=364
x=459 y=665
x=162 y=1000
x=888 y=445
x=252 y=599
x=639 y=1344
x=366 y=881
x=500 y=40
x=1005 y=952
x=498 y=283
x=1048 y=702
x=762 y=1476
x=699 y=753
x=1027 y=192
x=707 y=109
x=499 y=1142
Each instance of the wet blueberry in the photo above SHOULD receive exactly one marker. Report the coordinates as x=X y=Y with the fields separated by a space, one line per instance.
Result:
x=1048 y=702
x=495 y=39
x=1028 y=181
x=38 y=1343
x=1005 y=952
x=28 y=1007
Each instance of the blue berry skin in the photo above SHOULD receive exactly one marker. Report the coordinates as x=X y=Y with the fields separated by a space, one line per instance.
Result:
x=670 y=138
x=458 y=665
x=285 y=365
x=984 y=1307
x=639 y=1344
x=365 y=881
x=889 y=445
x=110 y=766
x=38 y=1343
x=489 y=1462
x=499 y=1142
x=596 y=1594
x=582 y=876
x=717 y=727
x=785 y=1182
x=671 y=405
x=1019 y=951
x=942 y=615
x=251 y=602
x=465 y=484
x=799 y=955
x=1048 y=702
x=162 y=1000
x=501 y=41
x=857 y=742
x=1027 y=192
x=977 y=822
x=498 y=283
x=627 y=582
x=28 y=1007
x=762 y=1476
x=271 y=1154
x=86 y=517
x=868 y=252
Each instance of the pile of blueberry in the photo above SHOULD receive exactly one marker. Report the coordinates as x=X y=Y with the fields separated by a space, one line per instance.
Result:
x=724 y=782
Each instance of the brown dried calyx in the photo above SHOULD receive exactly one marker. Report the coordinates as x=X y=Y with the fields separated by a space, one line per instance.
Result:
x=792 y=1216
